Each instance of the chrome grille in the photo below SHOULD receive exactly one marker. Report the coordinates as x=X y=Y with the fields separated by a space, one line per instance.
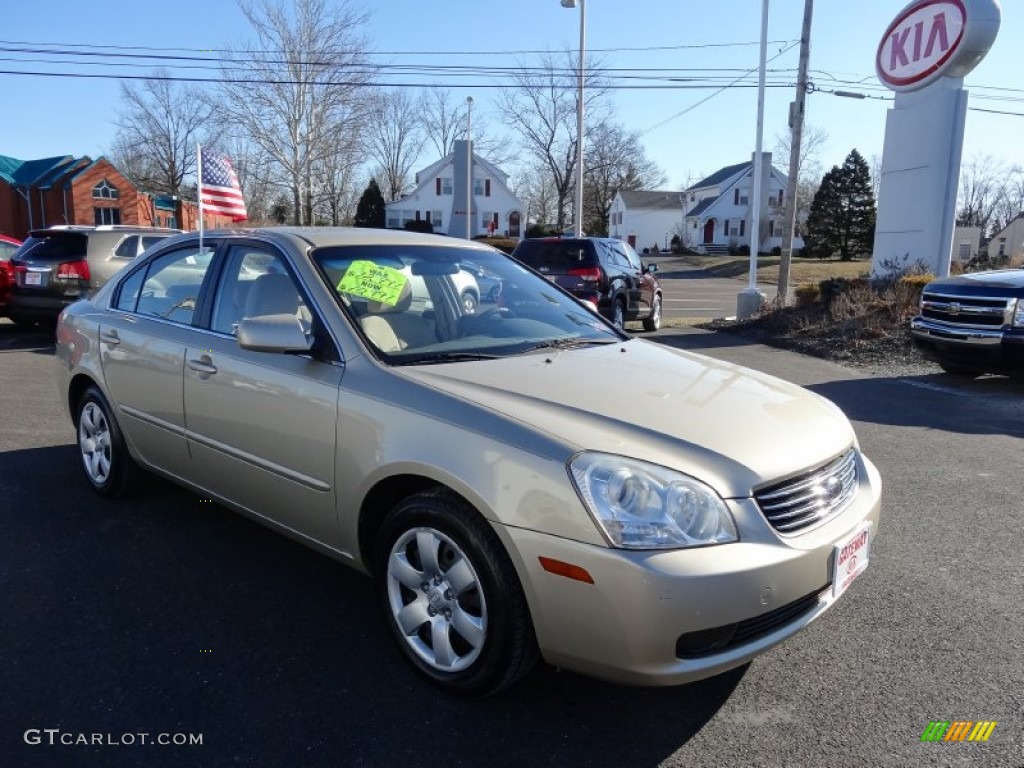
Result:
x=810 y=498
x=967 y=311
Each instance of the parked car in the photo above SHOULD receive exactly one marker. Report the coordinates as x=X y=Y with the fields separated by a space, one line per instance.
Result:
x=500 y=474
x=974 y=323
x=8 y=245
x=603 y=271
x=60 y=265
x=488 y=284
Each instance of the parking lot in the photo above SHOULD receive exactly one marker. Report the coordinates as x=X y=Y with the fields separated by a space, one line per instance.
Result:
x=168 y=614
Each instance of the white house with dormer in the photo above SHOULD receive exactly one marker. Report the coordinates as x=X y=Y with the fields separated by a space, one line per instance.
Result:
x=440 y=198
x=718 y=209
x=645 y=219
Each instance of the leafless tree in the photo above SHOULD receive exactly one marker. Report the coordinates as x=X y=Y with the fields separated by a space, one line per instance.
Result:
x=532 y=185
x=442 y=119
x=130 y=160
x=1011 y=198
x=395 y=139
x=160 y=124
x=615 y=159
x=981 y=193
x=257 y=176
x=335 y=176
x=810 y=172
x=303 y=84
x=541 y=108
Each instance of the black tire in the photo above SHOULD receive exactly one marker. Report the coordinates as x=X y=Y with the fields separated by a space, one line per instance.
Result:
x=959 y=370
x=619 y=314
x=507 y=650
x=123 y=476
x=653 y=322
x=470 y=303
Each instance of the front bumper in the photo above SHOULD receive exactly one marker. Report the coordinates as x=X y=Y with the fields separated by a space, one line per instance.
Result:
x=999 y=350
x=625 y=627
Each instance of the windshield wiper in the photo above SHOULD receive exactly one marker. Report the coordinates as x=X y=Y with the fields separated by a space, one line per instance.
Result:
x=571 y=343
x=443 y=357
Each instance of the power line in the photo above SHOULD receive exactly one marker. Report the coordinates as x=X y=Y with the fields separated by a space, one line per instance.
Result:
x=692 y=46
x=363 y=83
x=708 y=98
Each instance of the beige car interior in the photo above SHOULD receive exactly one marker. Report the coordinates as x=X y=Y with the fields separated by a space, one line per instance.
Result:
x=393 y=328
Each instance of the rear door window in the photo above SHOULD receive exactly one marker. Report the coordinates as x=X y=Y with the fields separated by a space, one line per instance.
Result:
x=128 y=248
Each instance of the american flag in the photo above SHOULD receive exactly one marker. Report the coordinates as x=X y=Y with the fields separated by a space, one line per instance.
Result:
x=219 y=189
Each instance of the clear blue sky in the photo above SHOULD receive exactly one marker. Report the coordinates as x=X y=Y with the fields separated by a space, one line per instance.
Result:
x=47 y=116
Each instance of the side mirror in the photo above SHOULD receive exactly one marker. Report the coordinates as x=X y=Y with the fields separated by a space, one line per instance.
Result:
x=273 y=333
x=651 y=268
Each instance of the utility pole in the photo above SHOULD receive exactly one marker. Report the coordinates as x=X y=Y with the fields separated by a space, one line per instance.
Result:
x=796 y=121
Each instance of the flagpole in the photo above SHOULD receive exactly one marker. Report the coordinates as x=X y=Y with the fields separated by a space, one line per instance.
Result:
x=199 y=191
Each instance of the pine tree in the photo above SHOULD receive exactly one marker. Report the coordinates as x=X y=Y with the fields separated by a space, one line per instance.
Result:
x=842 y=216
x=370 y=209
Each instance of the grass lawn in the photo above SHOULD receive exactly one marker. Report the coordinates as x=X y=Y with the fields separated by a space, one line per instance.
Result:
x=801 y=270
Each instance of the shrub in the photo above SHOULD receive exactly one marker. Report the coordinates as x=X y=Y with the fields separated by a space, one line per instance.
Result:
x=777 y=250
x=419 y=225
x=744 y=250
x=807 y=295
x=504 y=244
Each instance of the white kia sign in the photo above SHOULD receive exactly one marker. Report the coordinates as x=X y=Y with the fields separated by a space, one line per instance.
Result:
x=930 y=39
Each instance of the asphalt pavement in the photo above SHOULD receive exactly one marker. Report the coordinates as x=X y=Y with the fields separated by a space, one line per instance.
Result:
x=169 y=615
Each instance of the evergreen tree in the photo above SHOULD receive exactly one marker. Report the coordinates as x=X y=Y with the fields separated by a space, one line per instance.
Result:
x=842 y=216
x=370 y=209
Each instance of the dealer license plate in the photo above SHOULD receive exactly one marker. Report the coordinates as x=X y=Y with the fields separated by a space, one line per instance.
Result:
x=33 y=278
x=850 y=559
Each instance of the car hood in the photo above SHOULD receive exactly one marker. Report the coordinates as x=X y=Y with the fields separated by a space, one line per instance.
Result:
x=731 y=427
x=1009 y=282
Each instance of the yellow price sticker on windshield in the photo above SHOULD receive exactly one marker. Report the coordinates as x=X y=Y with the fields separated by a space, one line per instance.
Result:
x=374 y=282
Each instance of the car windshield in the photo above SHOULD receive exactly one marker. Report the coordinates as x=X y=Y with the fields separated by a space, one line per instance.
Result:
x=426 y=304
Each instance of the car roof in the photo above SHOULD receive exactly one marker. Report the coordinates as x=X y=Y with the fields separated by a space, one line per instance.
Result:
x=320 y=237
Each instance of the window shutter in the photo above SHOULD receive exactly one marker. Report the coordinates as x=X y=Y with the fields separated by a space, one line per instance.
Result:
x=487 y=187
x=437 y=185
x=743 y=227
x=725 y=230
x=736 y=196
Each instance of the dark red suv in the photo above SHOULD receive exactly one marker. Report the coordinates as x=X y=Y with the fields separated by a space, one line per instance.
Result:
x=8 y=245
x=603 y=271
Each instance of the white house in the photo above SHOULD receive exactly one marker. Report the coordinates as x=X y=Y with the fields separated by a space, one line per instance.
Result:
x=645 y=219
x=1009 y=241
x=440 y=198
x=966 y=242
x=718 y=209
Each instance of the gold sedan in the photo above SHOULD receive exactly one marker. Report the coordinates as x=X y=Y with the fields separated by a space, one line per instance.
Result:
x=519 y=477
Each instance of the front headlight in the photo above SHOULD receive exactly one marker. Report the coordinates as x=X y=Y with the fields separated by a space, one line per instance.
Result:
x=1018 y=316
x=644 y=506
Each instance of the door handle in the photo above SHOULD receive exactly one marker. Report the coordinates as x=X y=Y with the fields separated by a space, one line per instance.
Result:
x=110 y=337
x=203 y=365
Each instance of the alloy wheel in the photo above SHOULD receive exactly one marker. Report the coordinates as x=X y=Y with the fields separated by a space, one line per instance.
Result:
x=94 y=443
x=436 y=599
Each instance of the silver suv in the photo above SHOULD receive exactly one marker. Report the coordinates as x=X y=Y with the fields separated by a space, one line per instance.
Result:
x=58 y=266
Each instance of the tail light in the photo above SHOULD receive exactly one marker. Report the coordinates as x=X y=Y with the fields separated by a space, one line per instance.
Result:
x=588 y=274
x=73 y=270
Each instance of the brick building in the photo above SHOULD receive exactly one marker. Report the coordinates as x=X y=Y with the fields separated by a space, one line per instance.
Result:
x=35 y=194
